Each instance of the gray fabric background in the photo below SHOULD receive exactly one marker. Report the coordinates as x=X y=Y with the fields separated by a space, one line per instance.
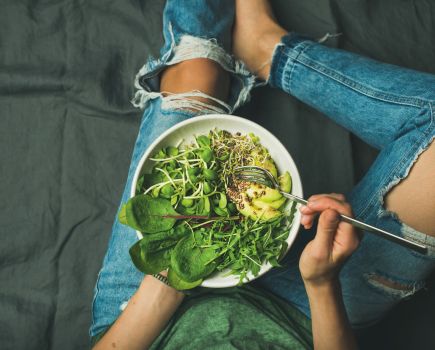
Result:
x=67 y=130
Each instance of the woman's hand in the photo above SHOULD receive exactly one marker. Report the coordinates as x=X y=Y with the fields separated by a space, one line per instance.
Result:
x=334 y=242
x=320 y=264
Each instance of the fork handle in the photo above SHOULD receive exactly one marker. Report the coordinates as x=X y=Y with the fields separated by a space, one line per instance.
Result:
x=422 y=249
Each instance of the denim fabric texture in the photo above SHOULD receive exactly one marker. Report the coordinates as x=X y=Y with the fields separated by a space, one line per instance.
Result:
x=389 y=107
x=392 y=109
x=196 y=29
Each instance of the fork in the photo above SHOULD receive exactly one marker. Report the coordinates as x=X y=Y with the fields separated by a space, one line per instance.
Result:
x=263 y=176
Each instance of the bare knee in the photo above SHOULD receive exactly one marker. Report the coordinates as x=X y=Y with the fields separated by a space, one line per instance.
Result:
x=413 y=199
x=199 y=74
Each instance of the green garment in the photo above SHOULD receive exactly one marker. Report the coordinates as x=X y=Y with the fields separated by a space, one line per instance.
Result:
x=236 y=318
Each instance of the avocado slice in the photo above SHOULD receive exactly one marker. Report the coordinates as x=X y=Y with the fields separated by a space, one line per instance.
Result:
x=262 y=159
x=285 y=182
x=268 y=164
x=275 y=204
x=263 y=201
x=265 y=194
x=247 y=208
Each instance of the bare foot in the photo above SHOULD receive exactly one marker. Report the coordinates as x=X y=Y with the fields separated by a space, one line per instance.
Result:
x=255 y=35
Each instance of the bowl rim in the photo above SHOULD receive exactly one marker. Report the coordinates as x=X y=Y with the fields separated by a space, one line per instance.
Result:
x=227 y=282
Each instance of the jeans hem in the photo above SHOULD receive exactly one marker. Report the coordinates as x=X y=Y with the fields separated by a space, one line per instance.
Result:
x=284 y=58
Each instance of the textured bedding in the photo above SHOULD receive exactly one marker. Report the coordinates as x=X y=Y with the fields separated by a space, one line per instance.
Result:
x=67 y=130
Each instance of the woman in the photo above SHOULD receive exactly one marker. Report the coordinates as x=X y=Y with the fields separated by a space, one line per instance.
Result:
x=389 y=107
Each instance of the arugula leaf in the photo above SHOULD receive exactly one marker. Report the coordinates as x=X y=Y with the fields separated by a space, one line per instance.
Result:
x=274 y=262
x=282 y=252
x=147 y=214
x=255 y=269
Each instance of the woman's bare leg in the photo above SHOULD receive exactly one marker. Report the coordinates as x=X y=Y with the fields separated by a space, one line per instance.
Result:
x=413 y=199
x=200 y=74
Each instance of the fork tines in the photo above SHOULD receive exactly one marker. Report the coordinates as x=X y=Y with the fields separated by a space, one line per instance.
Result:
x=252 y=174
x=252 y=168
x=255 y=179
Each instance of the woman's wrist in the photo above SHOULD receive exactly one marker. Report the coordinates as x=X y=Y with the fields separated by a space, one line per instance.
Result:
x=159 y=290
x=327 y=287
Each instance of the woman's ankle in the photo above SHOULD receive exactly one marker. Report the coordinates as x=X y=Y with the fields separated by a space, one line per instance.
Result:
x=268 y=42
x=255 y=35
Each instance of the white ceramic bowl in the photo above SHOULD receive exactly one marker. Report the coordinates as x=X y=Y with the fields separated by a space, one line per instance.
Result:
x=201 y=125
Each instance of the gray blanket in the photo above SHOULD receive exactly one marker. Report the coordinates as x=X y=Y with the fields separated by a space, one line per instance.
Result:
x=67 y=130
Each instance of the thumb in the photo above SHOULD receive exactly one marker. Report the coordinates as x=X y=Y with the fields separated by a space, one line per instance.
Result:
x=326 y=229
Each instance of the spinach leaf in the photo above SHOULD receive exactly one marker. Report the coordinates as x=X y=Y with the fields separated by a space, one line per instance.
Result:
x=152 y=253
x=176 y=282
x=150 y=262
x=148 y=180
x=147 y=214
x=153 y=179
x=139 y=184
x=191 y=262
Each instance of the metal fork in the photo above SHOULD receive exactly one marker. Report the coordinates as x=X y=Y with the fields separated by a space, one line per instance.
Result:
x=263 y=176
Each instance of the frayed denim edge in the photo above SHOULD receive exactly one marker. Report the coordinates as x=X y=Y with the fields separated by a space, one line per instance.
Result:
x=190 y=47
x=407 y=231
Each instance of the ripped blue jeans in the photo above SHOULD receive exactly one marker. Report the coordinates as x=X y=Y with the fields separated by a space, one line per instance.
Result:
x=389 y=107
x=392 y=109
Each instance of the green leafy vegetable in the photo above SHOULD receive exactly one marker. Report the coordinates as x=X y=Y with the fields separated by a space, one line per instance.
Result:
x=190 y=262
x=152 y=253
x=190 y=214
x=206 y=155
x=203 y=141
x=222 y=201
x=176 y=282
x=148 y=180
x=172 y=151
x=147 y=214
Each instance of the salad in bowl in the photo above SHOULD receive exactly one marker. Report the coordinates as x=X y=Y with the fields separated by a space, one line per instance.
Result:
x=200 y=222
